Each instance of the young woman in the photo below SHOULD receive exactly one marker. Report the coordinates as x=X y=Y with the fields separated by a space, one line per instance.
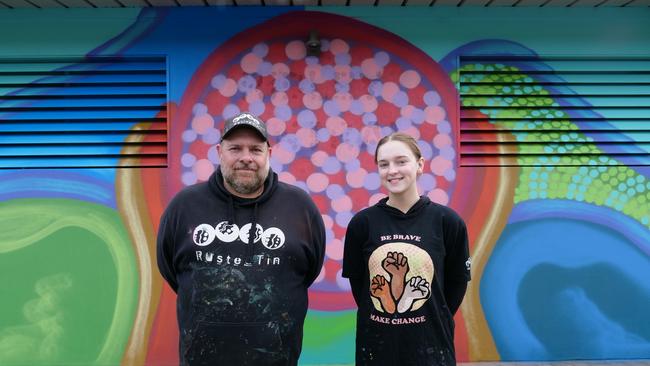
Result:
x=407 y=259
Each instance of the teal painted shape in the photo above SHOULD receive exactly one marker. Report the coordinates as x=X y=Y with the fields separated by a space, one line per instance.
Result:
x=587 y=312
x=559 y=288
x=439 y=30
x=64 y=32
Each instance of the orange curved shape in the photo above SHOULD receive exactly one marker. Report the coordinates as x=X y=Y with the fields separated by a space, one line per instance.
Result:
x=485 y=205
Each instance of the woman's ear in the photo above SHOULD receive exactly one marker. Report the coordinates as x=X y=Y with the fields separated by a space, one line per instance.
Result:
x=420 y=166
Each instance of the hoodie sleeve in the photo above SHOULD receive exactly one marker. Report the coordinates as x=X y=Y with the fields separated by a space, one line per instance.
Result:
x=457 y=261
x=356 y=236
x=318 y=239
x=165 y=246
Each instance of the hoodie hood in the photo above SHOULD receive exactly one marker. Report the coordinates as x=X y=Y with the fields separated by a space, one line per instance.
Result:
x=216 y=184
x=414 y=211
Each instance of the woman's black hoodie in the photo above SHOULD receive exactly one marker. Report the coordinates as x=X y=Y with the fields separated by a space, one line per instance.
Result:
x=409 y=273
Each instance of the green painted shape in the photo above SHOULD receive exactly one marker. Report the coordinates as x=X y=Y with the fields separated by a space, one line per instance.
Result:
x=618 y=187
x=329 y=338
x=69 y=283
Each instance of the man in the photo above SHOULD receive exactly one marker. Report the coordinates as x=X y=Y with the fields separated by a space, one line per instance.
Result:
x=240 y=250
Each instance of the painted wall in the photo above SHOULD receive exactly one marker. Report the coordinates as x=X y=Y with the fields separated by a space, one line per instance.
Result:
x=561 y=255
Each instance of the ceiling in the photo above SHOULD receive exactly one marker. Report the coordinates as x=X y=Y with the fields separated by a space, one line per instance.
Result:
x=17 y=4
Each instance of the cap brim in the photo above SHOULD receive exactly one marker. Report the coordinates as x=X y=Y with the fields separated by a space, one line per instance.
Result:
x=243 y=125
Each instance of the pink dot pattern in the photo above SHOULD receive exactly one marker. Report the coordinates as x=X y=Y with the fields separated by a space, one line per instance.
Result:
x=325 y=116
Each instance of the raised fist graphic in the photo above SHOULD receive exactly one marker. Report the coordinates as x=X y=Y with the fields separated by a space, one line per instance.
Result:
x=416 y=288
x=380 y=288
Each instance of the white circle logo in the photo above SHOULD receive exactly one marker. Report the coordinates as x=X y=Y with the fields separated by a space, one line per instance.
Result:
x=203 y=235
x=273 y=238
x=243 y=233
x=226 y=232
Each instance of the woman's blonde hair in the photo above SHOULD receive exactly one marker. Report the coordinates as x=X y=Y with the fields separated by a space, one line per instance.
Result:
x=401 y=137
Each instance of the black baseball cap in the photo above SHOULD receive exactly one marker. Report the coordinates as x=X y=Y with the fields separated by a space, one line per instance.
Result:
x=244 y=119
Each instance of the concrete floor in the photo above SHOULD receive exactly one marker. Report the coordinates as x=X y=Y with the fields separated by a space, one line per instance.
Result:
x=562 y=363
x=547 y=363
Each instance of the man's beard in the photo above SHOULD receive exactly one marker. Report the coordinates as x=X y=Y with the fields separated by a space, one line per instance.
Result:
x=245 y=187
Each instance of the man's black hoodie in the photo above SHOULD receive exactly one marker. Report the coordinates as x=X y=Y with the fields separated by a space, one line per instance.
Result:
x=242 y=293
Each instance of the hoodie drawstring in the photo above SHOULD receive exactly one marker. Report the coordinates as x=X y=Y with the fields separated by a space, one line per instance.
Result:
x=252 y=233
x=250 y=251
x=231 y=210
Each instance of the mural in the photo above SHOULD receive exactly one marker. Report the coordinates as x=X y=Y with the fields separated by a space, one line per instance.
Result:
x=561 y=254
